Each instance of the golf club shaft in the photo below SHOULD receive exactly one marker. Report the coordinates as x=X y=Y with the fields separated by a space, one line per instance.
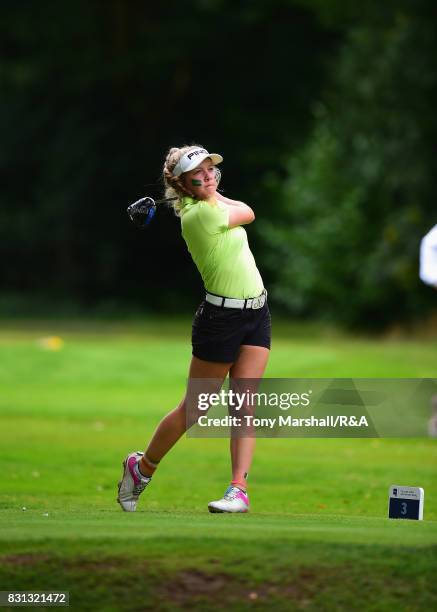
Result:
x=165 y=200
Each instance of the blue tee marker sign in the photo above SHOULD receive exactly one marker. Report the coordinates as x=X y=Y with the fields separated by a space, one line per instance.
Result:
x=405 y=502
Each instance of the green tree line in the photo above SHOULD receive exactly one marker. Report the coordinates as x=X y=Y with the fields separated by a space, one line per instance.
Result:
x=322 y=111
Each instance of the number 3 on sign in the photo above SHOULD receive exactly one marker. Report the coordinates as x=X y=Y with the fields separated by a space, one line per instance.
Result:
x=405 y=502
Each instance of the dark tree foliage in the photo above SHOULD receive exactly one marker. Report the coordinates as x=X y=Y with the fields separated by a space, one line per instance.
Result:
x=324 y=112
x=362 y=192
x=94 y=93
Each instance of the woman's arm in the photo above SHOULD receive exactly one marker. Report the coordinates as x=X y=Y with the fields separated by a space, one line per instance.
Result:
x=239 y=212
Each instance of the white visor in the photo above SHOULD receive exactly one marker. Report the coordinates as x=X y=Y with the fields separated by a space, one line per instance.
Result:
x=192 y=158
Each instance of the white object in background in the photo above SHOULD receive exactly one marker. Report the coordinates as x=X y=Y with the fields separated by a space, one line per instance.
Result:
x=428 y=257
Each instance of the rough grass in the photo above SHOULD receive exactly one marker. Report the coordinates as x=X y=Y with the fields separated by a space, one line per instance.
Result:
x=317 y=537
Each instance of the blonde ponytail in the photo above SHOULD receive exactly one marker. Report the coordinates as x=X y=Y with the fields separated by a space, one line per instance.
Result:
x=173 y=184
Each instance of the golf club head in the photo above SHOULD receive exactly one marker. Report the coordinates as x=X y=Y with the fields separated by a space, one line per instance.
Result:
x=142 y=212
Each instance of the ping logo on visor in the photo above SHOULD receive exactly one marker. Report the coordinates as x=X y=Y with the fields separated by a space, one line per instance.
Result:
x=196 y=152
x=192 y=158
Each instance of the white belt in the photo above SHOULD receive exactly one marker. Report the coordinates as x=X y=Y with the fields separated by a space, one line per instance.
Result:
x=224 y=302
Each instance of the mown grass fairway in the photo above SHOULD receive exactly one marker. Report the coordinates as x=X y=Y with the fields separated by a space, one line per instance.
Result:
x=317 y=537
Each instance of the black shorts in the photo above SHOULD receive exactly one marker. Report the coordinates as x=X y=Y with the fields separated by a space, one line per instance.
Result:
x=218 y=332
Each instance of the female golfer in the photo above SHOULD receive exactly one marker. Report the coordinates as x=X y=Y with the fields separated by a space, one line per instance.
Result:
x=231 y=328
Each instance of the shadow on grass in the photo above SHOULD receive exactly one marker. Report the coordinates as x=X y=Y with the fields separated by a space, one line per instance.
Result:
x=356 y=578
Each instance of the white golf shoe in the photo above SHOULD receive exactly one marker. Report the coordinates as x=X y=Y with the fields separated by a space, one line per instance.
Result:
x=234 y=500
x=132 y=484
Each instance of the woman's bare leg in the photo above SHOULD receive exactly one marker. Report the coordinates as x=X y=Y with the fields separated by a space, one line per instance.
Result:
x=251 y=363
x=174 y=424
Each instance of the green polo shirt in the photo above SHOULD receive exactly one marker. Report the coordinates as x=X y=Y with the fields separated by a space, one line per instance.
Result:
x=221 y=254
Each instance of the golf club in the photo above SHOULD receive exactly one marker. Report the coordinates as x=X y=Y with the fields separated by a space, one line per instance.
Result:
x=143 y=210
